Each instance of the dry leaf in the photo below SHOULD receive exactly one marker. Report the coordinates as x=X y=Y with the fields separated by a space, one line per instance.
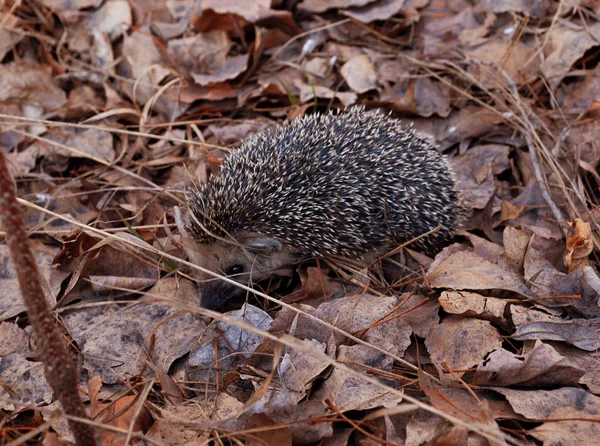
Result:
x=459 y=344
x=221 y=341
x=359 y=73
x=579 y=246
x=541 y=367
x=566 y=44
x=468 y=271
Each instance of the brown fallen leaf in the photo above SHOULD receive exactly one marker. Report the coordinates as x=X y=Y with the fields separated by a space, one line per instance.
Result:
x=316 y=288
x=299 y=419
x=515 y=243
x=298 y=370
x=459 y=344
x=117 y=341
x=474 y=305
x=113 y=19
x=573 y=426
x=142 y=63
x=541 y=404
x=10 y=294
x=509 y=211
x=518 y=60
x=579 y=245
x=94 y=144
x=460 y=403
x=279 y=436
x=467 y=271
x=541 y=367
x=309 y=92
x=577 y=290
x=348 y=392
x=8 y=38
x=205 y=56
x=379 y=10
x=316 y=6
x=567 y=43
x=423 y=97
x=587 y=361
x=250 y=11
x=30 y=84
x=22 y=380
x=360 y=74
x=581 y=333
x=215 y=349
x=533 y=9
x=475 y=172
x=190 y=420
x=119 y=413
x=583 y=95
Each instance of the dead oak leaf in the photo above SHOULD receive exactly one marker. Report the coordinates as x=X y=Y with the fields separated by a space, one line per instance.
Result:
x=475 y=172
x=70 y=5
x=30 y=84
x=174 y=422
x=205 y=57
x=13 y=339
x=360 y=74
x=531 y=8
x=24 y=381
x=541 y=404
x=280 y=436
x=251 y=11
x=217 y=347
x=459 y=344
x=578 y=289
x=297 y=369
x=8 y=39
x=474 y=305
x=94 y=144
x=465 y=270
x=318 y=6
x=518 y=61
x=573 y=427
x=582 y=333
x=579 y=245
x=566 y=44
x=141 y=61
x=582 y=96
x=112 y=19
x=308 y=93
x=423 y=97
x=299 y=418
x=587 y=361
x=543 y=366
x=10 y=292
x=115 y=341
x=380 y=10
x=347 y=391
x=515 y=244
x=462 y=404
x=120 y=413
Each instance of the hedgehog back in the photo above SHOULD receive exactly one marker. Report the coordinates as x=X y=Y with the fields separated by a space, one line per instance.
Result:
x=343 y=184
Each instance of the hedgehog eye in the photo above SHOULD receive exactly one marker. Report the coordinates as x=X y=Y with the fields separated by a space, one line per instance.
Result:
x=235 y=269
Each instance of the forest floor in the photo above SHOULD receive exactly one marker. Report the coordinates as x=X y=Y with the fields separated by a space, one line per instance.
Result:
x=110 y=109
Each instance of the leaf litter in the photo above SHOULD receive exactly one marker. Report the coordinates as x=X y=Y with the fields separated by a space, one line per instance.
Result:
x=109 y=110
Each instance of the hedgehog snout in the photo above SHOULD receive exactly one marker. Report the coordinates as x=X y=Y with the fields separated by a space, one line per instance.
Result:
x=220 y=296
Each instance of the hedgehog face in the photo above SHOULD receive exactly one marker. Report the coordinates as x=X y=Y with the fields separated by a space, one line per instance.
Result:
x=252 y=258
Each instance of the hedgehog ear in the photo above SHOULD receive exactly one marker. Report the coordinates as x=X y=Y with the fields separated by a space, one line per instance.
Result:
x=264 y=244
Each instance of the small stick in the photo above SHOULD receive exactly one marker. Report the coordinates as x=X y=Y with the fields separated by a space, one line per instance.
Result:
x=60 y=370
x=543 y=186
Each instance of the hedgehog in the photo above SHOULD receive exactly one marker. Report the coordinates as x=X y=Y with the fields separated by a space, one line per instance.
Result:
x=346 y=183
